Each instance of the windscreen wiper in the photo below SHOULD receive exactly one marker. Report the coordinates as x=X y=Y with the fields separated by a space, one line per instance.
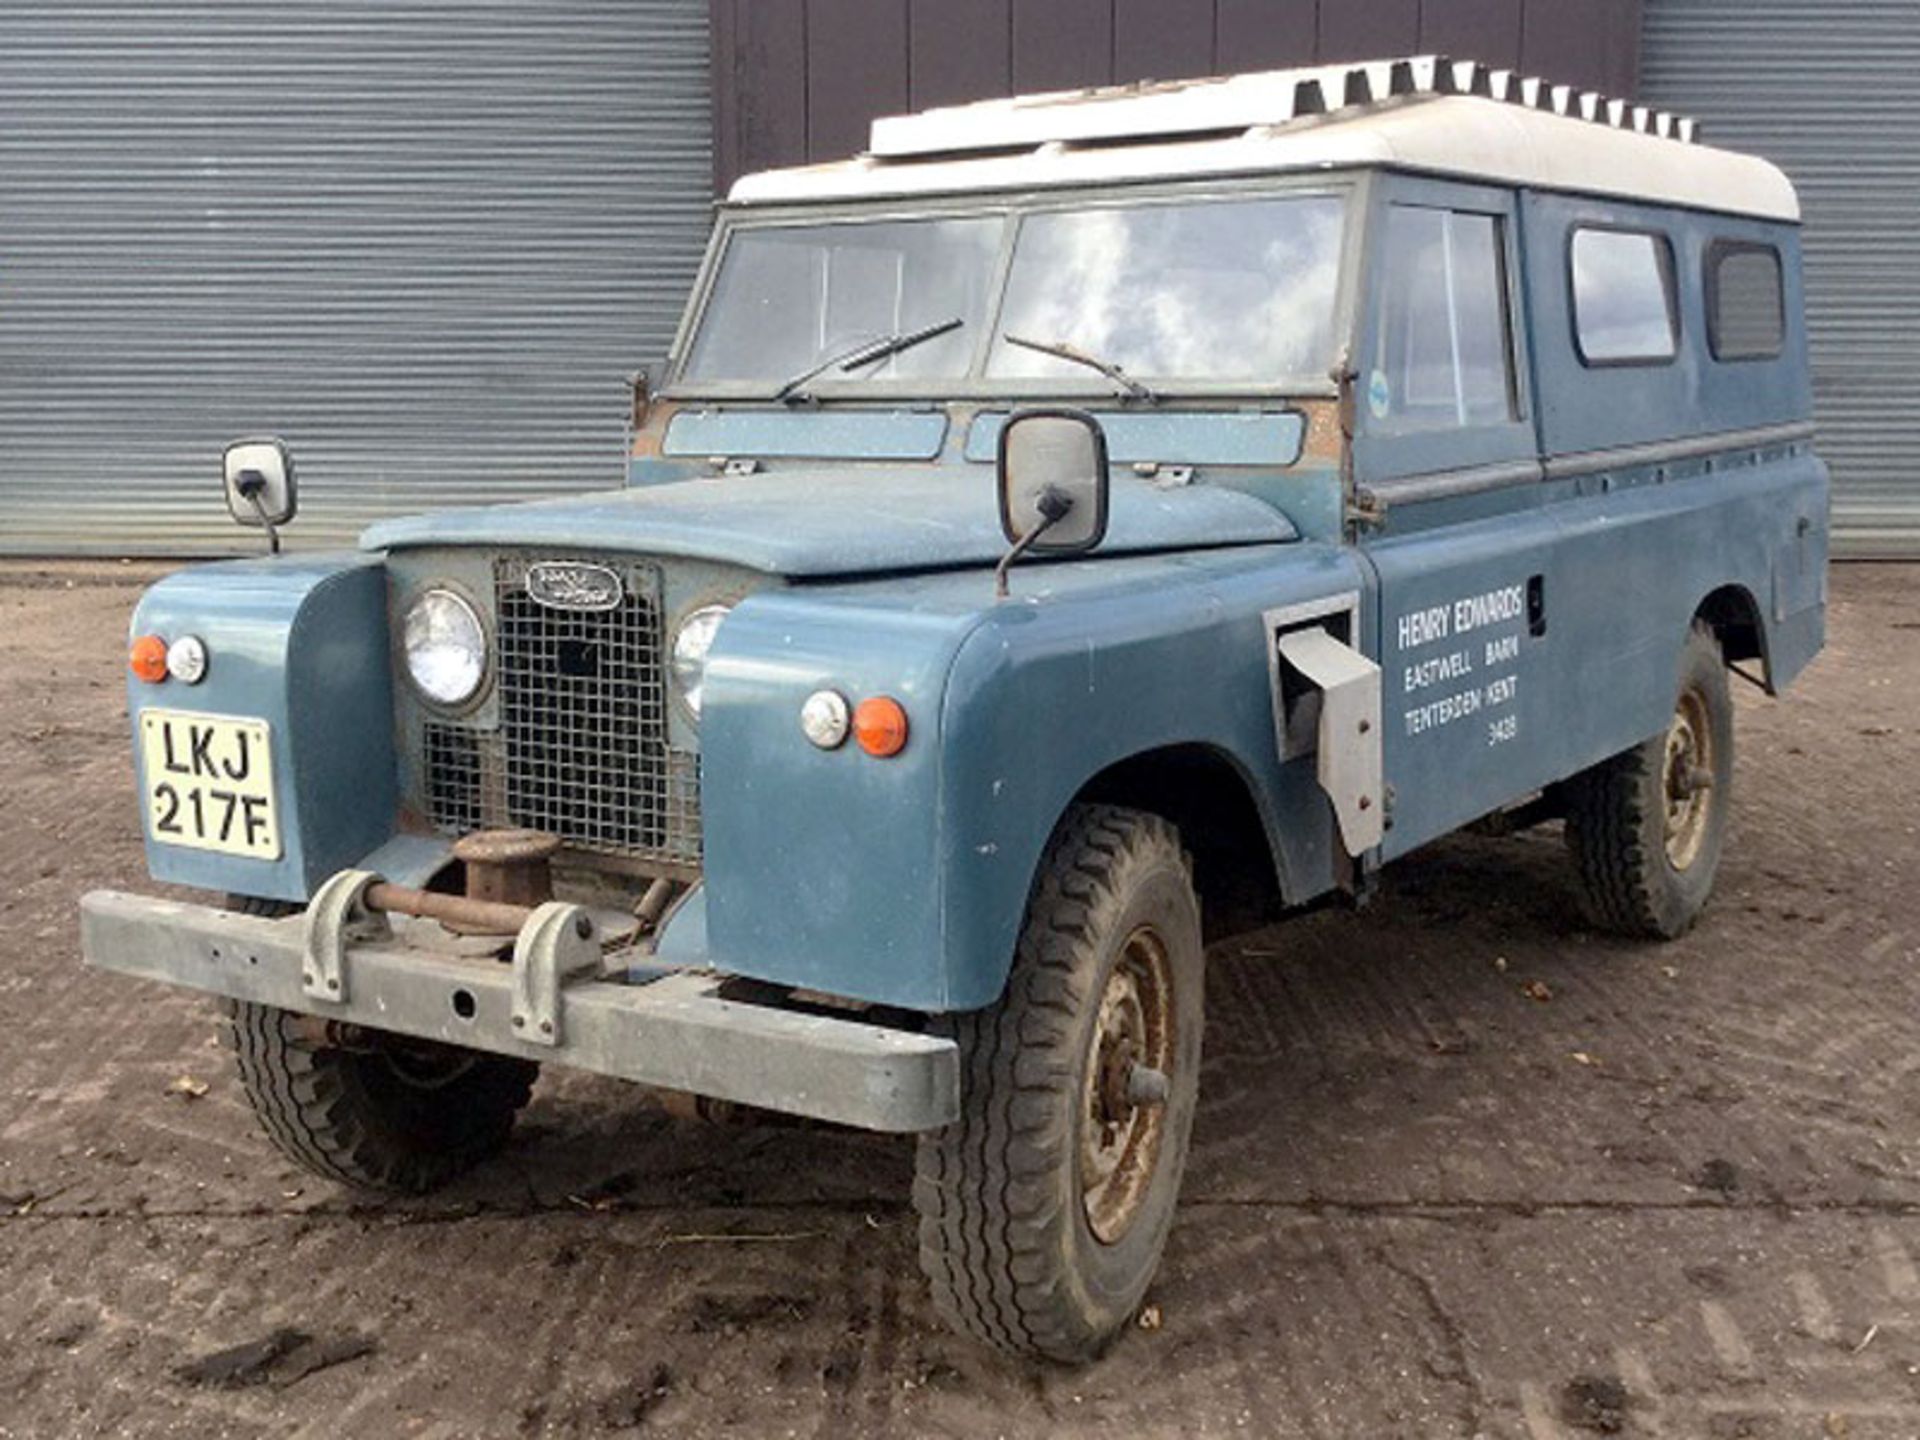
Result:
x=1061 y=350
x=869 y=352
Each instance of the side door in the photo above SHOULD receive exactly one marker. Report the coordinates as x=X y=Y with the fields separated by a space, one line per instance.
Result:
x=1447 y=466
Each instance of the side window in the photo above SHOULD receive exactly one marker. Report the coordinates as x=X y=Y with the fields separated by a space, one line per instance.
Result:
x=1444 y=357
x=1746 y=301
x=1623 y=297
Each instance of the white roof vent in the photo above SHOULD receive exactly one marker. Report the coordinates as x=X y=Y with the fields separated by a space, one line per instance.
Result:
x=1239 y=103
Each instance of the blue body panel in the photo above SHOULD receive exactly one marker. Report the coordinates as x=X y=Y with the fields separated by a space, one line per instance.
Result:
x=300 y=642
x=1622 y=571
x=1585 y=407
x=829 y=522
x=903 y=881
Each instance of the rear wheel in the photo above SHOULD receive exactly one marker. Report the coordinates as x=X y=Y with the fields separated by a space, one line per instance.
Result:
x=1045 y=1207
x=366 y=1108
x=1646 y=827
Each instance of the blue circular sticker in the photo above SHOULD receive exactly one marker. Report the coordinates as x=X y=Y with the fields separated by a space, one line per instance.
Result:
x=1379 y=395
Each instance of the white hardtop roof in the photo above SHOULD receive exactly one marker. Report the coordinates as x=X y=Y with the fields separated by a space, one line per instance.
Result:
x=1427 y=114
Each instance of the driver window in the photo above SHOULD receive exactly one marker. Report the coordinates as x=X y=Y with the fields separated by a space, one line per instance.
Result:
x=1443 y=359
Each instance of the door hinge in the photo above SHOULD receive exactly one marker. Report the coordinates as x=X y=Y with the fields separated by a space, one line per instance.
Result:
x=1366 y=508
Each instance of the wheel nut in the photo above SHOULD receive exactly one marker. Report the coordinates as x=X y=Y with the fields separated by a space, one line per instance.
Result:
x=1147 y=1086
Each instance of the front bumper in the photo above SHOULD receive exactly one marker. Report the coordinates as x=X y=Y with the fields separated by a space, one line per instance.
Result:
x=678 y=1032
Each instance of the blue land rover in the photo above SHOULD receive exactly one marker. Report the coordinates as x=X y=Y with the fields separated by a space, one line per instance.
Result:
x=1075 y=529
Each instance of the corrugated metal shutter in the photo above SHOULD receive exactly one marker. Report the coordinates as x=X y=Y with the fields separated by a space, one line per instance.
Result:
x=1827 y=91
x=422 y=239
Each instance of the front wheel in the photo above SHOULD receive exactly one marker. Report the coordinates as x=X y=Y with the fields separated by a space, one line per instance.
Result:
x=378 y=1111
x=1044 y=1208
x=1647 y=826
x=382 y=1112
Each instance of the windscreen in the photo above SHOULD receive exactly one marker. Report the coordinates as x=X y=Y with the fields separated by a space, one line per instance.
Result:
x=1226 y=290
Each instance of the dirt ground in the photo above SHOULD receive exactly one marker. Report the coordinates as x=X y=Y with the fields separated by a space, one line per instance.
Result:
x=1462 y=1166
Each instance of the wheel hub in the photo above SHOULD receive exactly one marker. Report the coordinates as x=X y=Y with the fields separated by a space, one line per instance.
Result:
x=1688 y=780
x=1123 y=1115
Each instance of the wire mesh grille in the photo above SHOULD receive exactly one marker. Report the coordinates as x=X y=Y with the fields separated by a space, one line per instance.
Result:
x=582 y=748
x=453 y=778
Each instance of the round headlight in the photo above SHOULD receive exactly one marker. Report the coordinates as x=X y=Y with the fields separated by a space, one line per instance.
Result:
x=446 y=648
x=691 y=642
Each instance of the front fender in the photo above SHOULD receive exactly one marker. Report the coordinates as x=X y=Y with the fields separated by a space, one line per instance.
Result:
x=822 y=867
x=1046 y=696
x=301 y=643
x=905 y=881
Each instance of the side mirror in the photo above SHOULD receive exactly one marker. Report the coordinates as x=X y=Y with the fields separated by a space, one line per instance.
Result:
x=260 y=484
x=1054 y=483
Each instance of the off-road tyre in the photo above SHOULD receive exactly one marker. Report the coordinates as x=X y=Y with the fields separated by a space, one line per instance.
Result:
x=1636 y=876
x=1007 y=1216
x=382 y=1113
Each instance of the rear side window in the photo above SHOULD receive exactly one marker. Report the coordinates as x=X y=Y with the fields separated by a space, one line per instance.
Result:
x=1746 y=303
x=1623 y=302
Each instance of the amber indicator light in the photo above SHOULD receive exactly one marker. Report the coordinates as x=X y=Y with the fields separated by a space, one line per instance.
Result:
x=880 y=726
x=148 y=659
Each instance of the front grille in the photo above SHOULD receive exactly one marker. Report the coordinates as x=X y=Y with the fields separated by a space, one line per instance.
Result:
x=453 y=778
x=581 y=749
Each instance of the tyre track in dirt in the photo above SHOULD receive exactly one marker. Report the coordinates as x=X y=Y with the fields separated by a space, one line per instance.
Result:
x=1412 y=1210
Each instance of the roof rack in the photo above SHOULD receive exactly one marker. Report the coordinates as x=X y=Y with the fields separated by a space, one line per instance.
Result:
x=1256 y=102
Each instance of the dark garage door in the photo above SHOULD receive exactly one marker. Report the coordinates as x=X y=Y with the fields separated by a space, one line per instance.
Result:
x=423 y=241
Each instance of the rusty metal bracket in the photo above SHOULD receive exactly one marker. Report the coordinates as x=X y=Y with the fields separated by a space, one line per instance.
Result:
x=339 y=916
x=455 y=912
x=560 y=943
x=1366 y=507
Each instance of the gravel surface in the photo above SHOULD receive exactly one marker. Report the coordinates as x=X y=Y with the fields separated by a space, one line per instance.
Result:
x=1462 y=1166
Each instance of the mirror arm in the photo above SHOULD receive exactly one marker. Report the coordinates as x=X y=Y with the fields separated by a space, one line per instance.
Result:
x=1054 y=507
x=250 y=485
x=1020 y=547
x=273 y=531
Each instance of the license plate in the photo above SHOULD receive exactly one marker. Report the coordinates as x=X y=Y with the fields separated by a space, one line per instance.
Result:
x=210 y=783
